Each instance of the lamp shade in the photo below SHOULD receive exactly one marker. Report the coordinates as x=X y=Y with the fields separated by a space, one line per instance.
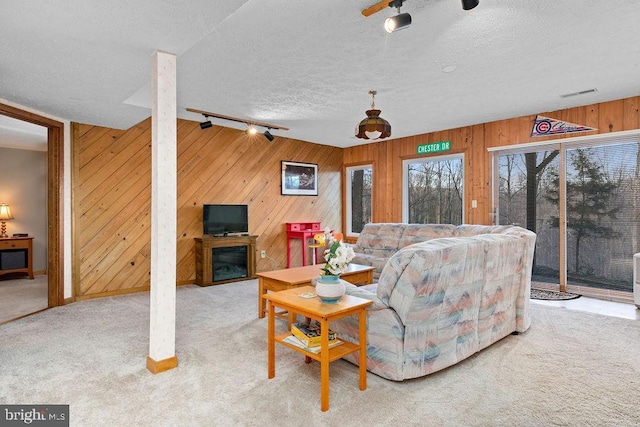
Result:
x=5 y=212
x=373 y=127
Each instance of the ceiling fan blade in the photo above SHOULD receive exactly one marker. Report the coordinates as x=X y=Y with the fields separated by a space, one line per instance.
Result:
x=376 y=7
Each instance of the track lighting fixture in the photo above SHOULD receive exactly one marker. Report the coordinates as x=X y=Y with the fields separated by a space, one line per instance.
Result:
x=398 y=22
x=252 y=126
x=469 y=4
x=374 y=126
x=206 y=124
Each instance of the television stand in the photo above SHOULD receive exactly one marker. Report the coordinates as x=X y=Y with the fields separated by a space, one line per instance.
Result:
x=224 y=259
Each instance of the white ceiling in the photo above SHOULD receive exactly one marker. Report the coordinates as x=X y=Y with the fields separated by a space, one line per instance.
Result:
x=308 y=65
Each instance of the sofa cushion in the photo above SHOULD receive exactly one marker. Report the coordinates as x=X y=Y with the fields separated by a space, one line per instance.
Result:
x=380 y=239
x=373 y=261
x=467 y=230
x=427 y=272
x=416 y=233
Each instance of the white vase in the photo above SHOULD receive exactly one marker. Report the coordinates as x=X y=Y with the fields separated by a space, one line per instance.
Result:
x=330 y=289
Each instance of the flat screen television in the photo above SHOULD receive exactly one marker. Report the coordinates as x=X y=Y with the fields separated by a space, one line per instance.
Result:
x=220 y=220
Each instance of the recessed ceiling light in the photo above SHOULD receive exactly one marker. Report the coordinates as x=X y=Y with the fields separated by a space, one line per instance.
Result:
x=448 y=68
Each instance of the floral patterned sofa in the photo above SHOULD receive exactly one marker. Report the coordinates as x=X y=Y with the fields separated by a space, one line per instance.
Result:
x=439 y=301
x=379 y=241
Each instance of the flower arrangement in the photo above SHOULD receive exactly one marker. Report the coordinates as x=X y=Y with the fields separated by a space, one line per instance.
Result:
x=337 y=255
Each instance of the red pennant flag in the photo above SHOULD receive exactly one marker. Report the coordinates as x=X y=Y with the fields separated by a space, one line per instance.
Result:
x=545 y=126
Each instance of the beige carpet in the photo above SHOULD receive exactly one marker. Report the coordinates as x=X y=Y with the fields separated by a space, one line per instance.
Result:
x=19 y=297
x=569 y=369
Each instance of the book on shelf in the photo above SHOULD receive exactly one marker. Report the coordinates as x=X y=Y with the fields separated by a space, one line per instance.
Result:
x=309 y=333
x=297 y=343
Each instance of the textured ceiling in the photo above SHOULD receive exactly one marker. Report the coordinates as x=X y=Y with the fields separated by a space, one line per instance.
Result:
x=308 y=65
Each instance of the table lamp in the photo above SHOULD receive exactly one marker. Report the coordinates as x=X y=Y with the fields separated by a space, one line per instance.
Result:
x=5 y=215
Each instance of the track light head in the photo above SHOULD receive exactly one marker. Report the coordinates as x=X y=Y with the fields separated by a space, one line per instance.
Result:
x=398 y=22
x=205 y=125
x=469 y=4
x=268 y=135
x=251 y=130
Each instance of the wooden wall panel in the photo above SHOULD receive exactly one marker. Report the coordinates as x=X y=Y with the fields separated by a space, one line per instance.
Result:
x=387 y=156
x=218 y=165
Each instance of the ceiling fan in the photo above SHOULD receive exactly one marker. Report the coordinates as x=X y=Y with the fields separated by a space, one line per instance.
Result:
x=377 y=7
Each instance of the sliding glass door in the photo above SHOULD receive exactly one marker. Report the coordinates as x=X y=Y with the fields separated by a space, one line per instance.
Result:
x=525 y=194
x=582 y=198
x=603 y=219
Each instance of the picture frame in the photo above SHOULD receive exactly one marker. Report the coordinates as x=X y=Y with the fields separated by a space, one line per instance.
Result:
x=299 y=179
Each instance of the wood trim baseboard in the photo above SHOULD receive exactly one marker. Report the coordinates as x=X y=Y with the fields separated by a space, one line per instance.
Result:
x=158 y=366
x=112 y=293
x=145 y=288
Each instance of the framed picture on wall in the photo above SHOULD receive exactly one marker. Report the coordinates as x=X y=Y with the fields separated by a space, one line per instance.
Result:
x=299 y=179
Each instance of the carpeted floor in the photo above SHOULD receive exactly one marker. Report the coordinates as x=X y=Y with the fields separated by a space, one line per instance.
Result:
x=22 y=296
x=569 y=369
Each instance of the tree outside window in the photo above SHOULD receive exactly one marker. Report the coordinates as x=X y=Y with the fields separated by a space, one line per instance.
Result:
x=434 y=190
x=359 y=197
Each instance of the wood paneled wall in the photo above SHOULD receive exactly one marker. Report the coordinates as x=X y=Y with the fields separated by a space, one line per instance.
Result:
x=473 y=141
x=112 y=188
x=112 y=198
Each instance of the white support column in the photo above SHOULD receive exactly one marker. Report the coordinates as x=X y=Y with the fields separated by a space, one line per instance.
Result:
x=162 y=322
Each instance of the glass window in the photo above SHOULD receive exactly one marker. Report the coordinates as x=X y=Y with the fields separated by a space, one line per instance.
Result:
x=433 y=190
x=359 y=197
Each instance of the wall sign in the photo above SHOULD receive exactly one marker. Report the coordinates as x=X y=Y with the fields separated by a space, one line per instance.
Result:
x=434 y=147
x=545 y=126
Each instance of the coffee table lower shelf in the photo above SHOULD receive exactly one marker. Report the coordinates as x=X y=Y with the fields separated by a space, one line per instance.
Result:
x=335 y=353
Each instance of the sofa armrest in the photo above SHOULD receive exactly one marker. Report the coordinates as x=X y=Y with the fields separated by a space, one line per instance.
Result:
x=359 y=292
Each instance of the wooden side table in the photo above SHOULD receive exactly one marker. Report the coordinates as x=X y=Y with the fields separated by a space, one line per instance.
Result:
x=313 y=308
x=16 y=255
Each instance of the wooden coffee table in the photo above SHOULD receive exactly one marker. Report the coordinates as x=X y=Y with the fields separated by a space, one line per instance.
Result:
x=280 y=280
x=314 y=308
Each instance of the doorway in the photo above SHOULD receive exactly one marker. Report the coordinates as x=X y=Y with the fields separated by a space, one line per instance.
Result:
x=55 y=141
